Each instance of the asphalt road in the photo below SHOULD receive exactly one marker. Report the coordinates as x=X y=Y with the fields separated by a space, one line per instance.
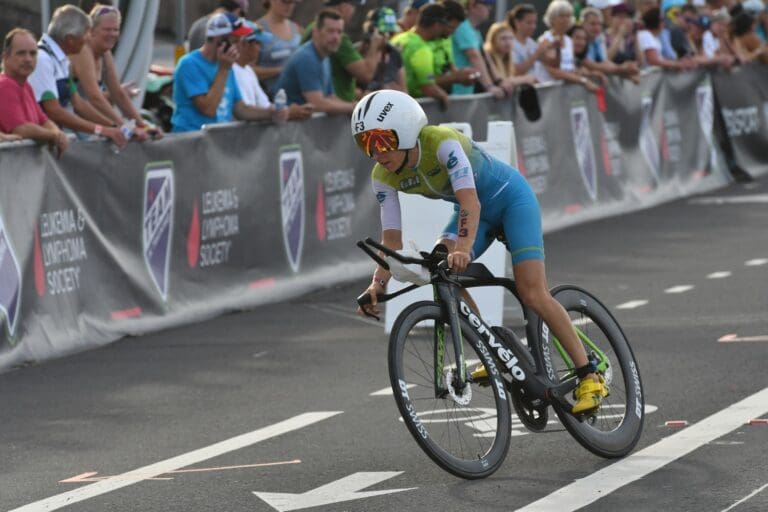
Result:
x=283 y=399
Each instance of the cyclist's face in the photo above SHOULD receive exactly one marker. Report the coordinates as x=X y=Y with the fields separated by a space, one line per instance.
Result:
x=391 y=160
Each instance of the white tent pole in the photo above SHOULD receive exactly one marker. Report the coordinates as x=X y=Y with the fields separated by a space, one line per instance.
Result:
x=45 y=15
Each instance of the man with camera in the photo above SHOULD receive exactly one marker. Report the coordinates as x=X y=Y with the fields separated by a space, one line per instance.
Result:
x=204 y=86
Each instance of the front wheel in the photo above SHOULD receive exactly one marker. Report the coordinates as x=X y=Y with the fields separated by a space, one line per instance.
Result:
x=614 y=429
x=465 y=431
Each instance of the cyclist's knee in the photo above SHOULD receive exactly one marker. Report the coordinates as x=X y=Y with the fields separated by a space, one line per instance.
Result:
x=537 y=298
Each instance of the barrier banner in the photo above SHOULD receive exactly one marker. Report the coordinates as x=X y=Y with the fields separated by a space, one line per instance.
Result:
x=102 y=244
x=742 y=94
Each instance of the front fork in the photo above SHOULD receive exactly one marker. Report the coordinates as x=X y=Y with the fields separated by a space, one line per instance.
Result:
x=446 y=295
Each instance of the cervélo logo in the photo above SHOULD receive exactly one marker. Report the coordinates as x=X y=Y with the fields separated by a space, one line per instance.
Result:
x=157 y=223
x=10 y=281
x=585 y=152
x=292 y=209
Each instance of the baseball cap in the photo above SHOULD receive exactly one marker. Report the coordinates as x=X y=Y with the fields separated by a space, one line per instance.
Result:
x=753 y=6
x=224 y=24
x=384 y=19
x=258 y=33
x=418 y=4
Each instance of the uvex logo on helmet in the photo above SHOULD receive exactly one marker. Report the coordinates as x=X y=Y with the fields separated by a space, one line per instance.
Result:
x=384 y=112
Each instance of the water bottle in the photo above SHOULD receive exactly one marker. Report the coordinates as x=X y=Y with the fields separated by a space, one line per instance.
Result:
x=280 y=101
x=127 y=129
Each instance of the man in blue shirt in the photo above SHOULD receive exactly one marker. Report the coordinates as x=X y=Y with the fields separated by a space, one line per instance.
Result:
x=204 y=87
x=306 y=76
x=467 y=45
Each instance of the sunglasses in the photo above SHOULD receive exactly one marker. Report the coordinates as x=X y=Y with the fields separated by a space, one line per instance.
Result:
x=376 y=141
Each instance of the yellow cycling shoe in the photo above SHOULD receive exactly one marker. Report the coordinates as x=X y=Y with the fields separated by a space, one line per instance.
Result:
x=479 y=374
x=589 y=395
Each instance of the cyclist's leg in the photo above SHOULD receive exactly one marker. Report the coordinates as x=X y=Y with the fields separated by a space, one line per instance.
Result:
x=522 y=227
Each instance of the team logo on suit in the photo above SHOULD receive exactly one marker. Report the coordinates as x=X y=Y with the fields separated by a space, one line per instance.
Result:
x=10 y=281
x=157 y=225
x=292 y=208
x=585 y=152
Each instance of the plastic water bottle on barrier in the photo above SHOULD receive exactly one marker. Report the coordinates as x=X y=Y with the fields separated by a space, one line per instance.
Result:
x=127 y=129
x=281 y=99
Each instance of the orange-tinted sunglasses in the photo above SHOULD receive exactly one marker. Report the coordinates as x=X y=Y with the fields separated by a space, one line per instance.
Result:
x=377 y=141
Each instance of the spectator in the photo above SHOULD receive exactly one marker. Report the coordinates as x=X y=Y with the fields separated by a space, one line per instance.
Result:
x=204 y=87
x=390 y=73
x=620 y=41
x=347 y=65
x=22 y=116
x=94 y=71
x=678 y=23
x=746 y=42
x=418 y=57
x=498 y=56
x=715 y=41
x=560 y=63
x=285 y=41
x=446 y=73
x=580 y=40
x=247 y=81
x=196 y=35
x=595 y=58
x=468 y=45
x=306 y=76
x=526 y=53
x=52 y=83
x=757 y=9
x=697 y=27
x=411 y=14
x=649 y=43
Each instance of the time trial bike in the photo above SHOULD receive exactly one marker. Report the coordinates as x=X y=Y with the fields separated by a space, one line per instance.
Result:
x=463 y=423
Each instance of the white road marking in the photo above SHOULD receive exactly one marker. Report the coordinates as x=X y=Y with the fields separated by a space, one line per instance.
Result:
x=682 y=288
x=187 y=459
x=745 y=498
x=632 y=304
x=388 y=391
x=756 y=262
x=719 y=275
x=751 y=198
x=344 y=489
x=599 y=484
x=731 y=338
x=345 y=312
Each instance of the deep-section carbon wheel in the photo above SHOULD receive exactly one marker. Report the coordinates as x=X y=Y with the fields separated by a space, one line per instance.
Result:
x=615 y=428
x=465 y=431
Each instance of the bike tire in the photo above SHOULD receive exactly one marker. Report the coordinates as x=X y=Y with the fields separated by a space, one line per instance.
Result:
x=472 y=440
x=614 y=430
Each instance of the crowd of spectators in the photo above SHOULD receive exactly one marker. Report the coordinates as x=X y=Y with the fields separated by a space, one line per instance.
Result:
x=250 y=70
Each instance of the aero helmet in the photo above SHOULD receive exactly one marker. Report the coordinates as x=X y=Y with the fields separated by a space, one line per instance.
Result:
x=387 y=120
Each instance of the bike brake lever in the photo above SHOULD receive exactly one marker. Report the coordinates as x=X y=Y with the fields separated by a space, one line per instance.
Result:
x=363 y=300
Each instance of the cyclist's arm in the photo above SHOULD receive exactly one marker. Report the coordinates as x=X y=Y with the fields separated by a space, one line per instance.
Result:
x=452 y=156
x=391 y=225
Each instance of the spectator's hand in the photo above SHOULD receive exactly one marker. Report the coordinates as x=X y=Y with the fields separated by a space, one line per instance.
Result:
x=444 y=102
x=279 y=116
x=154 y=131
x=140 y=134
x=497 y=91
x=60 y=143
x=115 y=135
x=300 y=112
x=227 y=57
x=688 y=63
x=626 y=27
x=377 y=40
x=465 y=76
x=543 y=47
x=629 y=67
x=590 y=85
x=9 y=137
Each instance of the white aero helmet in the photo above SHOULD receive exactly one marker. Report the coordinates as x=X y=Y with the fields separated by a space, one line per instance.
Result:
x=387 y=120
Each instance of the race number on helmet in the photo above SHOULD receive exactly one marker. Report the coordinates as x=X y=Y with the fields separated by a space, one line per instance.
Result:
x=387 y=120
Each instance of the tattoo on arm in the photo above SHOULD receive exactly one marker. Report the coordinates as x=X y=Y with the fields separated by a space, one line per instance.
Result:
x=463 y=221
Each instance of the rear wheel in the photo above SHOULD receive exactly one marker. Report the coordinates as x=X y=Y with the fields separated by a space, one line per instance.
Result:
x=465 y=431
x=614 y=429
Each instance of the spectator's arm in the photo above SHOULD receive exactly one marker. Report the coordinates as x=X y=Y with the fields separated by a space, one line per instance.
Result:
x=328 y=104
x=570 y=76
x=84 y=67
x=209 y=102
x=118 y=93
x=246 y=112
x=527 y=64
x=45 y=133
x=435 y=91
x=267 y=72
x=64 y=117
x=653 y=58
x=85 y=109
x=477 y=62
x=364 y=68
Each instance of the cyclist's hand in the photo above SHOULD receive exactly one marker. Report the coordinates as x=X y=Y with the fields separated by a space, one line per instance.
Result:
x=458 y=260
x=373 y=290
